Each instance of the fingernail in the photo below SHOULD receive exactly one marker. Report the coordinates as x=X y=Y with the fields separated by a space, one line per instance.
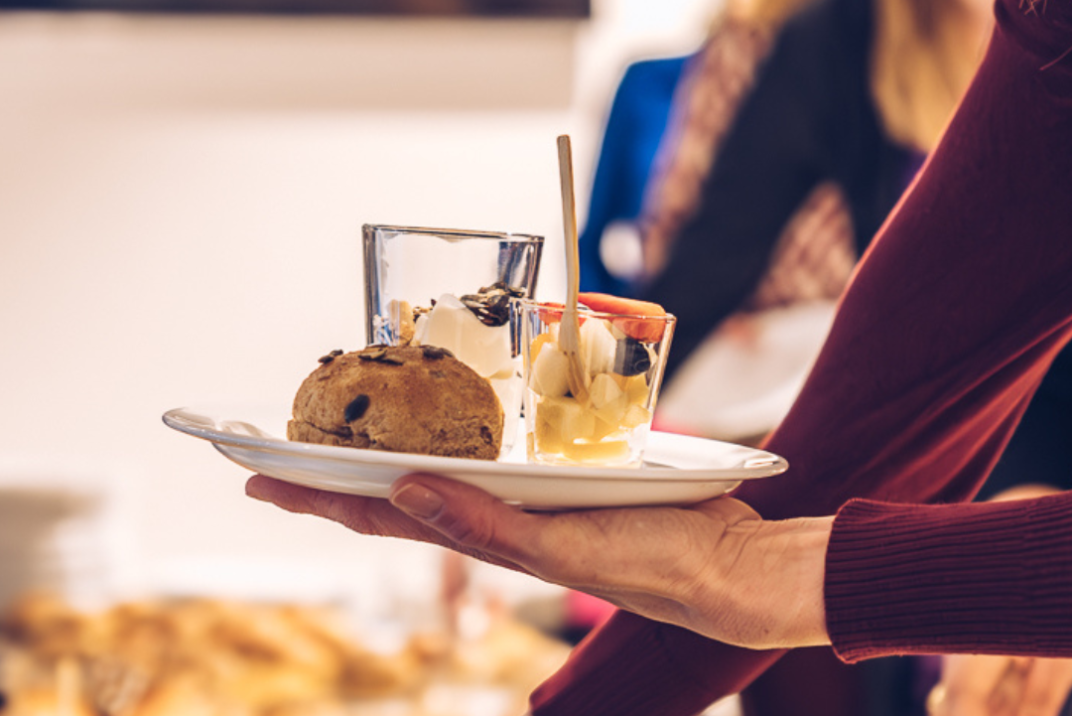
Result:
x=418 y=501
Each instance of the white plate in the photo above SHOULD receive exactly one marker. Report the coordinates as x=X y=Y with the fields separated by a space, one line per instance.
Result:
x=678 y=469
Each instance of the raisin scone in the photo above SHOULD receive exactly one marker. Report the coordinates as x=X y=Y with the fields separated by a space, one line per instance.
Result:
x=401 y=399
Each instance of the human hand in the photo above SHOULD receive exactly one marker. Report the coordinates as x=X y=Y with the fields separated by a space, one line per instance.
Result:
x=715 y=568
x=977 y=685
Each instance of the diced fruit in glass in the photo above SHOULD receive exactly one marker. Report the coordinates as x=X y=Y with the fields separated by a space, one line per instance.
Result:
x=598 y=347
x=605 y=391
x=548 y=438
x=550 y=372
x=608 y=400
x=537 y=344
x=635 y=416
x=605 y=429
x=574 y=422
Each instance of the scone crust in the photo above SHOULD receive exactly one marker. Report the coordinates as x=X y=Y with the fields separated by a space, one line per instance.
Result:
x=416 y=403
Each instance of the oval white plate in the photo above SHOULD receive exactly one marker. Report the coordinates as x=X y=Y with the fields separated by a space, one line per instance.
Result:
x=678 y=469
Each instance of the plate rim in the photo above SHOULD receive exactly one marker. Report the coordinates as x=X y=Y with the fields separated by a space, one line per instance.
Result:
x=178 y=419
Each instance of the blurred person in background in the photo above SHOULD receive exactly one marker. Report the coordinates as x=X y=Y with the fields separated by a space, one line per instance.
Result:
x=793 y=136
x=793 y=133
x=813 y=131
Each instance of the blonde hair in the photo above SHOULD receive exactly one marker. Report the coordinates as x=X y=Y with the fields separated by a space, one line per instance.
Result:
x=924 y=54
x=766 y=14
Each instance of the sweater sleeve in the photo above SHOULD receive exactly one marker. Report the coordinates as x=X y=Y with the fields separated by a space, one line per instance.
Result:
x=964 y=578
x=952 y=318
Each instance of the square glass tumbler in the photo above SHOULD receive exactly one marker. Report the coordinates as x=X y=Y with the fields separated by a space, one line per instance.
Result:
x=455 y=289
x=598 y=410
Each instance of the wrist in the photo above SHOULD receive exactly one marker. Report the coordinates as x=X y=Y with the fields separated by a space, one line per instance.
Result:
x=797 y=552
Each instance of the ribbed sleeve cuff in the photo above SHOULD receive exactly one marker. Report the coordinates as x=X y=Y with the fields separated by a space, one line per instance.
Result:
x=966 y=578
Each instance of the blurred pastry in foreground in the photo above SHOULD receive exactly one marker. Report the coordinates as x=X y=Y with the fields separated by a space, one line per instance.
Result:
x=413 y=399
x=212 y=657
x=197 y=657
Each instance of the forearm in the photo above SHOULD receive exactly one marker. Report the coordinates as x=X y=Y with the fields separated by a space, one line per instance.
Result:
x=632 y=665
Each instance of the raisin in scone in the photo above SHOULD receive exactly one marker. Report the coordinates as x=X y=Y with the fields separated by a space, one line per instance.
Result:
x=402 y=399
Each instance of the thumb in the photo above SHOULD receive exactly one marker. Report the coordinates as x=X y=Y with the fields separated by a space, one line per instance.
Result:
x=467 y=515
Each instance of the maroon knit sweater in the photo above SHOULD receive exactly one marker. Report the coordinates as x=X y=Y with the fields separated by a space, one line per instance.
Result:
x=949 y=324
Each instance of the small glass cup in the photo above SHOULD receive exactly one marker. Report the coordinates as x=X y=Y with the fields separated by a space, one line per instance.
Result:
x=454 y=289
x=601 y=414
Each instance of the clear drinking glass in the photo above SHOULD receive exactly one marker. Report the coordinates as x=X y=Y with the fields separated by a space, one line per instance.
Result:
x=455 y=289
x=601 y=414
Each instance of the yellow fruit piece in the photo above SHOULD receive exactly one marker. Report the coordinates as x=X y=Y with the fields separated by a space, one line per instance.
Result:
x=549 y=374
x=537 y=344
x=604 y=391
x=608 y=451
x=547 y=438
x=571 y=419
x=612 y=414
x=636 y=390
x=607 y=429
x=635 y=416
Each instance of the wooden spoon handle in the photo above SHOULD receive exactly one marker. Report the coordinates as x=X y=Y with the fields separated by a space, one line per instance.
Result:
x=570 y=333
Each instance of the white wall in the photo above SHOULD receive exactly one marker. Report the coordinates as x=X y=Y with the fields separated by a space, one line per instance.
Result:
x=180 y=203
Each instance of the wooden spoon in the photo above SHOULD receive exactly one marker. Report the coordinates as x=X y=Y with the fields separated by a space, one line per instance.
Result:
x=569 y=337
